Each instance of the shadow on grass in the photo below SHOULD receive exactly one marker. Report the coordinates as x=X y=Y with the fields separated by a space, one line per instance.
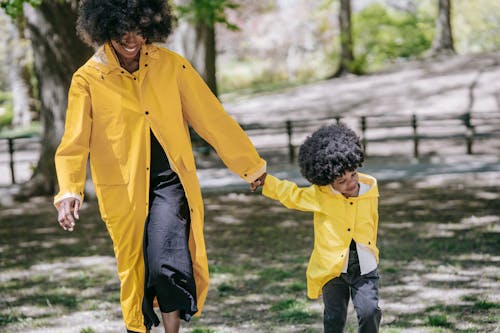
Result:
x=439 y=264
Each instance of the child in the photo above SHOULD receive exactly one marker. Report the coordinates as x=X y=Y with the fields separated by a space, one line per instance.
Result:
x=344 y=260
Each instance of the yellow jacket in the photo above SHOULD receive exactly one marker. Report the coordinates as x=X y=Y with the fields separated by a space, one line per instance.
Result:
x=109 y=116
x=337 y=220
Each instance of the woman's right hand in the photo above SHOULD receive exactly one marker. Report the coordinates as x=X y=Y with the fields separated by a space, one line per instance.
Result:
x=68 y=212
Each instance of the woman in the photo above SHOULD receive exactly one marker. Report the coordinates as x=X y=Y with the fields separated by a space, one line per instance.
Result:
x=129 y=108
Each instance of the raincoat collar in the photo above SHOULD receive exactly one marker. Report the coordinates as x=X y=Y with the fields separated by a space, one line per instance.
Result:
x=106 y=61
x=363 y=178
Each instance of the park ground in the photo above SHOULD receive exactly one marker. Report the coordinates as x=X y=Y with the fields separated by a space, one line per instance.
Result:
x=439 y=238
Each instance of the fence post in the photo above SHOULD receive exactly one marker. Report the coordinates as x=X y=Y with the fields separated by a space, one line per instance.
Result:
x=11 y=159
x=291 y=150
x=363 y=131
x=469 y=133
x=415 y=135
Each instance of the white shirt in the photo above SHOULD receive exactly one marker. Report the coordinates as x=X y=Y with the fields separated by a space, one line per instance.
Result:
x=367 y=260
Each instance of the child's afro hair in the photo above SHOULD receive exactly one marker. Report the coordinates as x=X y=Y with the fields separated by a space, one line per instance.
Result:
x=100 y=21
x=328 y=153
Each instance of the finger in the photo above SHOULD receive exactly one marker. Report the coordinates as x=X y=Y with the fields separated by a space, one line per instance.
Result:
x=76 y=211
x=62 y=224
x=61 y=216
x=67 y=221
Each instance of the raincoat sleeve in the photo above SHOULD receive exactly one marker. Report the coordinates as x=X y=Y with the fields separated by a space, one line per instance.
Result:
x=208 y=118
x=73 y=151
x=290 y=195
x=375 y=216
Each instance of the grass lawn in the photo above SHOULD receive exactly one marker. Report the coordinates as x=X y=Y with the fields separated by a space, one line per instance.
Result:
x=440 y=264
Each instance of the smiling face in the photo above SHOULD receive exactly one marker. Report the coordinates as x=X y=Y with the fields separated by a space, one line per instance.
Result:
x=129 y=46
x=347 y=184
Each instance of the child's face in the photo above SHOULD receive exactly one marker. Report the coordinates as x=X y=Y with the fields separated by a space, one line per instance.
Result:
x=347 y=184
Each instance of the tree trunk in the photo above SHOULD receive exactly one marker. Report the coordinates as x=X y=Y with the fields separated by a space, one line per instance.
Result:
x=196 y=42
x=346 y=44
x=443 y=41
x=16 y=56
x=58 y=52
x=206 y=36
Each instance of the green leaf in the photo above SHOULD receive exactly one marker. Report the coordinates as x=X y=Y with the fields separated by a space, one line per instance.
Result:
x=382 y=34
x=208 y=12
x=14 y=8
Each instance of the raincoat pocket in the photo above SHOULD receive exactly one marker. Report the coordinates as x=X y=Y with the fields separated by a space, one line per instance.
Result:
x=114 y=204
x=108 y=156
x=109 y=174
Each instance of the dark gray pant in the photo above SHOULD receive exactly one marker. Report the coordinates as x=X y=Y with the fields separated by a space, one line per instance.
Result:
x=363 y=289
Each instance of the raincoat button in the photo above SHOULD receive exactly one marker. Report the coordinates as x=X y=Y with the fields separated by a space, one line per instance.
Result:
x=183 y=66
x=369 y=243
x=351 y=202
x=245 y=174
x=145 y=65
x=135 y=78
x=147 y=53
x=147 y=112
x=192 y=210
x=123 y=72
x=348 y=229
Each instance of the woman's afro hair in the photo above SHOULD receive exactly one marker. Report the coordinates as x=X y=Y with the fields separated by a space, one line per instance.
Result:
x=100 y=21
x=328 y=153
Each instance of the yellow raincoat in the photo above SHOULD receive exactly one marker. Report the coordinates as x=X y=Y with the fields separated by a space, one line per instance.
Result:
x=109 y=117
x=337 y=220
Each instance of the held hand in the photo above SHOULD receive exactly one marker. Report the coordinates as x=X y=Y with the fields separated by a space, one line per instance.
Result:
x=67 y=212
x=258 y=182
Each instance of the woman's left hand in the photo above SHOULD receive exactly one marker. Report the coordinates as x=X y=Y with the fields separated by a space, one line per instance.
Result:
x=258 y=182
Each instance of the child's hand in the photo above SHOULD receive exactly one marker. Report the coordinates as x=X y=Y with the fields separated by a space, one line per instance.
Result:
x=258 y=182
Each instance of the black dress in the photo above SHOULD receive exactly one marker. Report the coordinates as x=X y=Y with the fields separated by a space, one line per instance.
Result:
x=169 y=270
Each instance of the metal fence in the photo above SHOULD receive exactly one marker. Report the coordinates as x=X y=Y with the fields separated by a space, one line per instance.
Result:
x=283 y=138
x=19 y=154
x=467 y=128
